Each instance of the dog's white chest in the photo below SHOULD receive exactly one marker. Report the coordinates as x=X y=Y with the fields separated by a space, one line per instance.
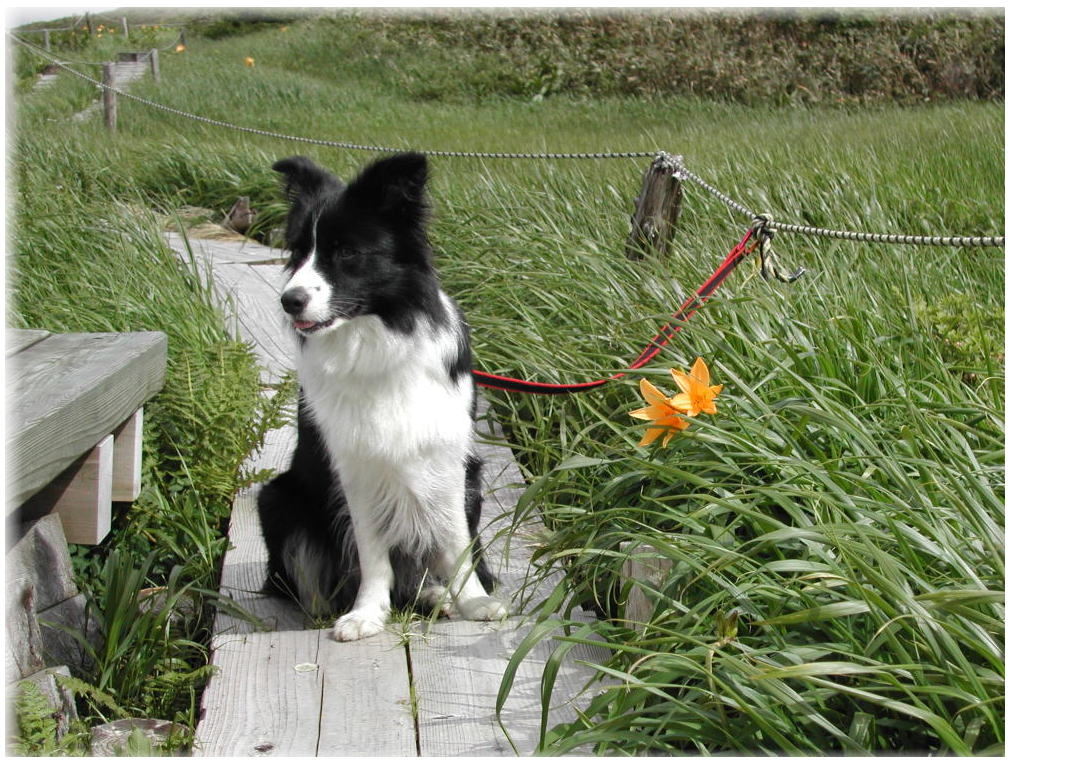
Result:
x=383 y=396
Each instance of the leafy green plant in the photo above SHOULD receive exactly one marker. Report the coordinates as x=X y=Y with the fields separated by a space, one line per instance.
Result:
x=144 y=662
x=38 y=727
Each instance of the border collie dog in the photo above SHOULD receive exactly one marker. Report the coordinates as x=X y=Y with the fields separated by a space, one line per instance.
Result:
x=382 y=499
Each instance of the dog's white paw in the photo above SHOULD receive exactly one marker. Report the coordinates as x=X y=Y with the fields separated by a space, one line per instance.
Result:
x=437 y=596
x=357 y=624
x=483 y=609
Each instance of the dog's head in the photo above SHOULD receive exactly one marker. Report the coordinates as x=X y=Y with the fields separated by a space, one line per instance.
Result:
x=354 y=249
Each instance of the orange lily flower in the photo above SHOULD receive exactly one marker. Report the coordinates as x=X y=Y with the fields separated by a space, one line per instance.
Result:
x=697 y=395
x=250 y=62
x=666 y=418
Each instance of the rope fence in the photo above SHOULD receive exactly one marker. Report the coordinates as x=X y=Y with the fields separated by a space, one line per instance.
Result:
x=763 y=223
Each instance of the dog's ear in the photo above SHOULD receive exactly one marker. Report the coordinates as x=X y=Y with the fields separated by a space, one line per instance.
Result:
x=303 y=179
x=393 y=186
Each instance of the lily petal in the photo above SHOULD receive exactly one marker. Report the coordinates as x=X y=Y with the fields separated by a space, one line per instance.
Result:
x=652 y=394
x=682 y=380
x=699 y=371
x=654 y=412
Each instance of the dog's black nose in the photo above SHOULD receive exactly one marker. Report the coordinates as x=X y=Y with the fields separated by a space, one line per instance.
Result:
x=295 y=300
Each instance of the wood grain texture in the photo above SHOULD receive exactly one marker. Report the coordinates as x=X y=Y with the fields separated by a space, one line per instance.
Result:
x=257 y=318
x=656 y=212
x=66 y=392
x=126 y=477
x=81 y=496
x=264 y=700
x=247 y=280
x=245 y=564
x=24 y=651
x=367 y=705
x=20 y=339
x=457 y=670
x=214 y=252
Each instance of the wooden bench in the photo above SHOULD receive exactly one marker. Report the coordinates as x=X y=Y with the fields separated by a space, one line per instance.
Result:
x=75 y=423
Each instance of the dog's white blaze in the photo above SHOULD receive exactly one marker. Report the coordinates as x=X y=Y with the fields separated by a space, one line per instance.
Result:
x=308 y=278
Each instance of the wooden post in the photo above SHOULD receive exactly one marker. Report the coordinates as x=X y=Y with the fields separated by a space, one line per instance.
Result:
x=126 y=458
x=125 y=28
x=47 y=41
x=153 y=60
x=656 y=211
x=651 y=568
x=81 y=496
x=110 y=103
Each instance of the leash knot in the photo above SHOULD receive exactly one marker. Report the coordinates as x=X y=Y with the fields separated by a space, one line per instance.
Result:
x=763 y=231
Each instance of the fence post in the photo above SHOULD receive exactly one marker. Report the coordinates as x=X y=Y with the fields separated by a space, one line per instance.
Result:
x=110 y=103
x=125 y=28
x=153 y=60
x=656 y=211
x=47 y=41
x=651 y=569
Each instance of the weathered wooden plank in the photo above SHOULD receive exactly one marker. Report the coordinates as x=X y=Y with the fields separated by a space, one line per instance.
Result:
x=243 y=574
x=248 y=292
x=245 y=564
x=645 y=568
x=457 y=669
x=21 y=339
x=94 y=382
x=265 y=697
x=126 y=477
x=367 y=705
x=81 y=496
x=258 y=316
x=217 y=252
x=39 y=561
x=276 y=452
x=246 y=538
x=110 y=100
x=247 y=280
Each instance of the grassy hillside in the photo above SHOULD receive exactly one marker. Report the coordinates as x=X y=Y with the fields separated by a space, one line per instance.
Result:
x=836 y=529
x=778 y=56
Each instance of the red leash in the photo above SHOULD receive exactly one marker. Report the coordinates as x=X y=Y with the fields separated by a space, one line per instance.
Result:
x=663 y=337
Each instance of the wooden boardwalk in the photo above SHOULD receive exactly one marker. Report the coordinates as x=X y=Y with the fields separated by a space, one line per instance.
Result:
x=286 y=688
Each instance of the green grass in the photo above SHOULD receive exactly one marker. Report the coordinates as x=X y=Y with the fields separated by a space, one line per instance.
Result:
x=836 y=530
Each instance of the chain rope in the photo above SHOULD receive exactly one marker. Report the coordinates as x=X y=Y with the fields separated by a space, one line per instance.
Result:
x=763 y=222
x=766 y=221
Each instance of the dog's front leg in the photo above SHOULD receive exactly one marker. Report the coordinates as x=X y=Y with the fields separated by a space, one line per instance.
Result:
x=371 y=609
x=454 y=563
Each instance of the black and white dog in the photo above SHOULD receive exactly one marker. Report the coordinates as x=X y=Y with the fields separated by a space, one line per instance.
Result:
x=383 y=497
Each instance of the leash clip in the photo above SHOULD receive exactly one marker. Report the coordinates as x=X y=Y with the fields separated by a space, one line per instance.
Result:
x=763 y=232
